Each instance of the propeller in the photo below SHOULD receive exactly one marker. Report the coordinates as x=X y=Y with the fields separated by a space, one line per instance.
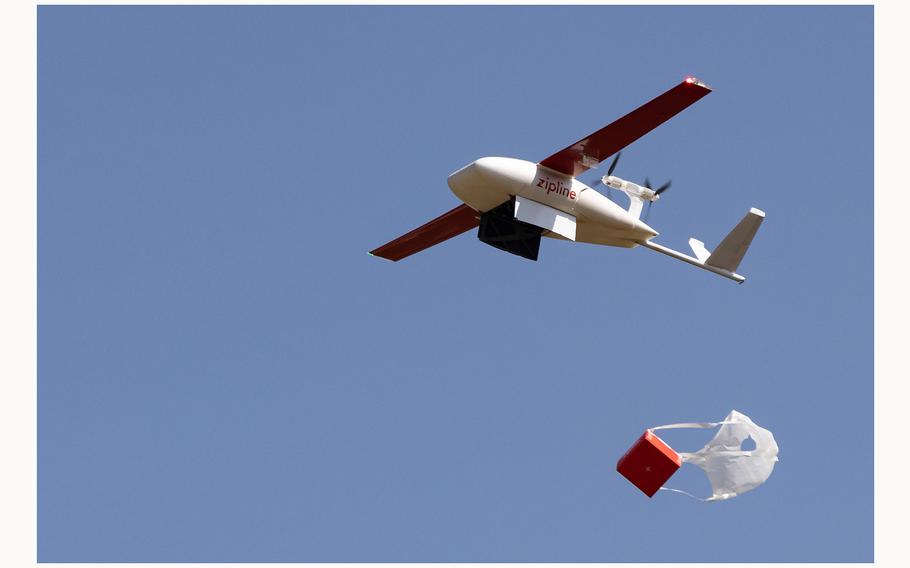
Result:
x=613 y=164
x=599 y=181
x=609 y=170
x=657 y=191
x=660 y=189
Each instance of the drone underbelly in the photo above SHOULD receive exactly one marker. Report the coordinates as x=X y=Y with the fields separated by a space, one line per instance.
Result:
x=603 y=235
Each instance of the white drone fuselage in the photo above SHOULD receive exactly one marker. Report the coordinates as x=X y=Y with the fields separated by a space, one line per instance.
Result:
x=594 y=218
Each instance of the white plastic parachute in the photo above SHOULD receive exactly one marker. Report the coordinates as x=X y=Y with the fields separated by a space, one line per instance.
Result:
x=731 y=469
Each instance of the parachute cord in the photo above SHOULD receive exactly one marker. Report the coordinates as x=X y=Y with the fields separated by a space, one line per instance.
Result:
x=686 y=494
x=703 y=425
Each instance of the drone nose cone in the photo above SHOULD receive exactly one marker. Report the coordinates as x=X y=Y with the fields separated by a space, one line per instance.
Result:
x=487 y=182
x=463 y=178
x=470 y=185
x=488 y=167
x=506 y=171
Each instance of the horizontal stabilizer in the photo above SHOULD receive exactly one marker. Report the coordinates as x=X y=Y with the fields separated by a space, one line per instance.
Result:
x=730 y=252
x=698 y=247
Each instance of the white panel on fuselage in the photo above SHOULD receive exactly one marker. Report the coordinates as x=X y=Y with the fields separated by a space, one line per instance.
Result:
x=545 y=217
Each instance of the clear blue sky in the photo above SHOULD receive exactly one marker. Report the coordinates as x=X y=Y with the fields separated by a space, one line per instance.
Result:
x=226 y=375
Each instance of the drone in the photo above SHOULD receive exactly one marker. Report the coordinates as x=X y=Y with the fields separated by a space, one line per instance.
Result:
x=514 y=202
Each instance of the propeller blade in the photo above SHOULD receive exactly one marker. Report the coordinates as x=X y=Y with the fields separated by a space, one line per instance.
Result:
x=647 y=183
x=648 y=211
x=613 y=165
x=663 y=188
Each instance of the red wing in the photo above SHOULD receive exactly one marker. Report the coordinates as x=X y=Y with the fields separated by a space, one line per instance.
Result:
x=617 y=135
x=444 y=227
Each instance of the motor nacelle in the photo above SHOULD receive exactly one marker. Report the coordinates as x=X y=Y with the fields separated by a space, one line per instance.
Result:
x=630 y=188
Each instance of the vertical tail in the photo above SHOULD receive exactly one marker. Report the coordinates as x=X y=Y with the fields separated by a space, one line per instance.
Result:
x=730 y=252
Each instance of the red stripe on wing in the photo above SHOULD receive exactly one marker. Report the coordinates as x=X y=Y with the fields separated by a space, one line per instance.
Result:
x=622 y=132
x=444 y=227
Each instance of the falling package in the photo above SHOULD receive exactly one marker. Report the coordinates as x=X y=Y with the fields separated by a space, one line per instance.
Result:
x=732 y=470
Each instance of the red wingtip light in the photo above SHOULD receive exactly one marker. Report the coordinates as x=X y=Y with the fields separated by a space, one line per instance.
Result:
x=691 y=80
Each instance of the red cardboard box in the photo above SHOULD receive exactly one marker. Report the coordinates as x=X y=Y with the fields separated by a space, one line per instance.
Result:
x=649 y=463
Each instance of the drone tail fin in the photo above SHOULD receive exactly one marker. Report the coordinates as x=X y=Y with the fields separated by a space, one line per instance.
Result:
x=730 y=252
x=725 y=259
